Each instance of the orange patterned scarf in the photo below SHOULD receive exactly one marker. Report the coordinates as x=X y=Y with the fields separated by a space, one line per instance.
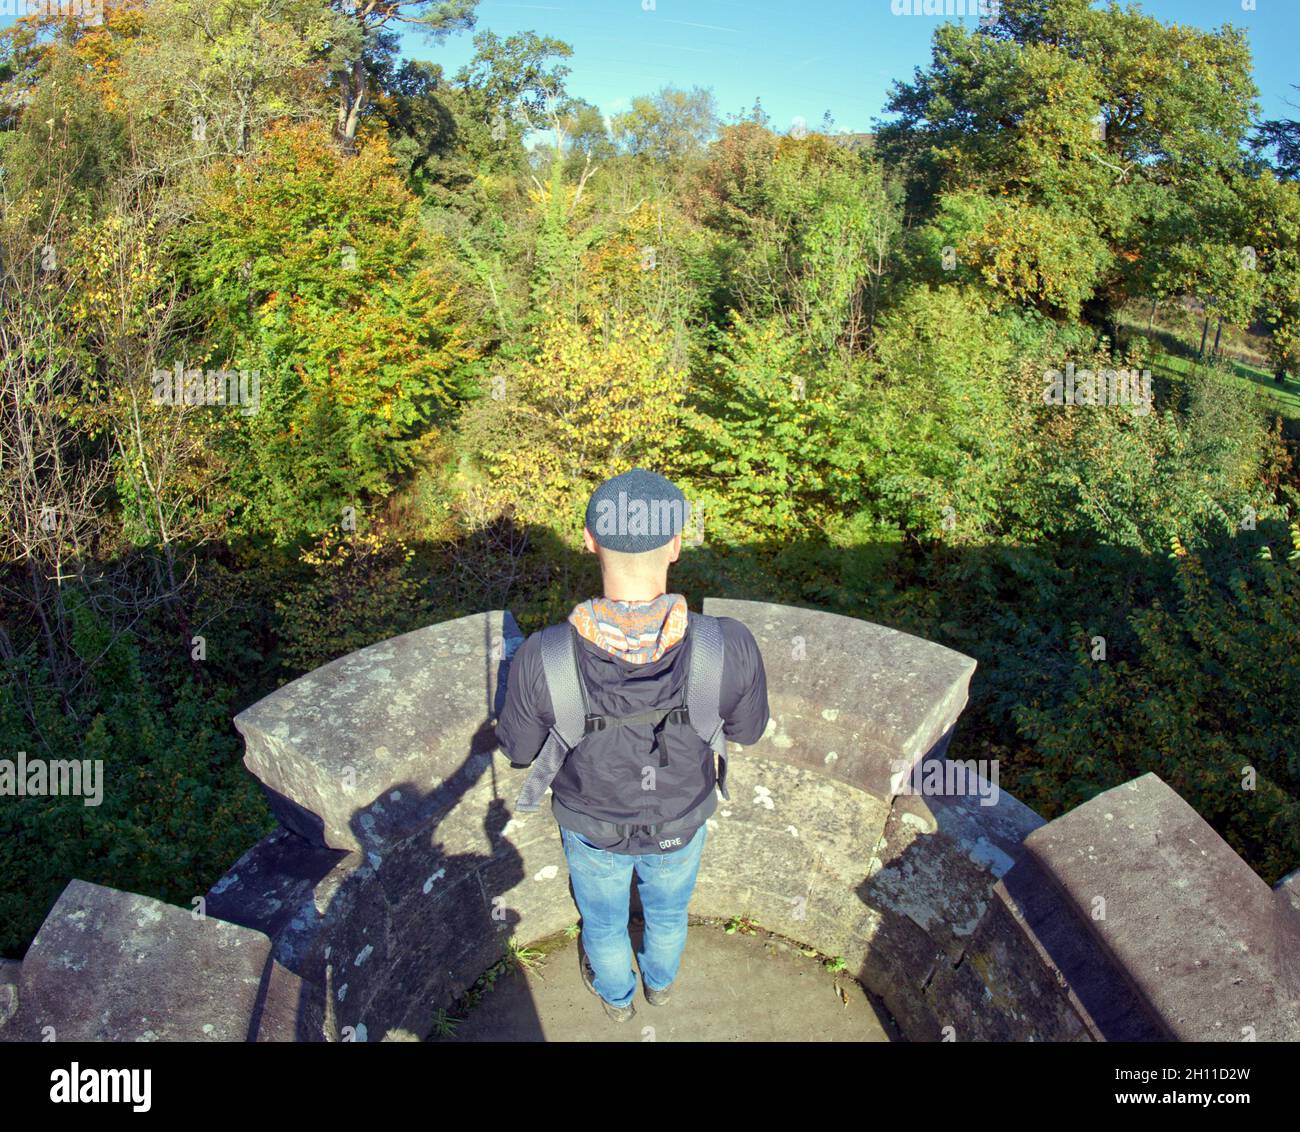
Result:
x=636 y=631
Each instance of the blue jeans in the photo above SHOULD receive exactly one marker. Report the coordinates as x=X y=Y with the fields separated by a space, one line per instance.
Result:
x=600 y=886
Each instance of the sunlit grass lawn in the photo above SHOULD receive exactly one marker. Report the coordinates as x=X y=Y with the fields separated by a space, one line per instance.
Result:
x=1285 y=397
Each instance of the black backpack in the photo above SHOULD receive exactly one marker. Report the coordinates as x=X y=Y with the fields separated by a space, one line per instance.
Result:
x=574 y=719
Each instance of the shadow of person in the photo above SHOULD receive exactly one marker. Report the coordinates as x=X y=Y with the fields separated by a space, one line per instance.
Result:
x=387 y=938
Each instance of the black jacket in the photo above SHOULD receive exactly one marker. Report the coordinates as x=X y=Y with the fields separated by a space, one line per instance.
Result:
x=620 y=775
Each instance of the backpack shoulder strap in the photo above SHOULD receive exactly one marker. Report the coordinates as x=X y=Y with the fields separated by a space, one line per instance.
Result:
x=704 y=681
x=564 y=682
x=568 y=702
x=704 y=688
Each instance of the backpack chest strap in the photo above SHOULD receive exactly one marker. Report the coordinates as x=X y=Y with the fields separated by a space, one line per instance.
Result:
x=658 y=718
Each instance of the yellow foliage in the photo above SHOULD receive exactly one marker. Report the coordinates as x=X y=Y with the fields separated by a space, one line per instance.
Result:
x=591 y=401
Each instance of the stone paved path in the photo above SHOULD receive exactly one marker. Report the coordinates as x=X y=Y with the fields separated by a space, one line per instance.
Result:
x=731 y=988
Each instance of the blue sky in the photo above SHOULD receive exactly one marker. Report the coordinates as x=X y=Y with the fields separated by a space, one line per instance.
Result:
x=803 y=58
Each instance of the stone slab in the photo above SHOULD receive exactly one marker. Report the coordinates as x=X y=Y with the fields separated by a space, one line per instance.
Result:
x=1098 y=991
x=1288 y=889
x=114 y=966
x=848 y=697
x=1201 y=937
x=266 y=888
x=290 y=1009
x=987 y=822
x=10 y=972
x=366 y=748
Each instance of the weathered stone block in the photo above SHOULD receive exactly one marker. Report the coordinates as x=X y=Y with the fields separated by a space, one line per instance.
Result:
x=850 y=698
x=1098 y=991
x=373 y=746
x=1201 y=937
x=266 y=888
x=1288 y=889
x=10 y=971
x=402 y=874
x=114 y=966
x=291 y=1009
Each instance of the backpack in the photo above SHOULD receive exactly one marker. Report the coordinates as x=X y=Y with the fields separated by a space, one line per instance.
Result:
x=574 y=721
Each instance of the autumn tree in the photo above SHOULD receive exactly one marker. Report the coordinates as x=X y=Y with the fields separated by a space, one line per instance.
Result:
x=312 y=270
x=588 y=402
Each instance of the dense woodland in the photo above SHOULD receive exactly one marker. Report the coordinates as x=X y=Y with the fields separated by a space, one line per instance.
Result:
x=468 y=298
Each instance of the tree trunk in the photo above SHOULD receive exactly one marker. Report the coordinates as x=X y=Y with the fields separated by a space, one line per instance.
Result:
x=350 y=115
x=1205 y=332
x=1218 y=330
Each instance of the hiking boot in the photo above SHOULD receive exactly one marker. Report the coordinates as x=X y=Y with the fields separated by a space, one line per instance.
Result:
x=617 y=1013
x=658 y=997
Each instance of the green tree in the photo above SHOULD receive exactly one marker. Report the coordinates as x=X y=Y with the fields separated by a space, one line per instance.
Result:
x=1074 y=112
x=763 y=437
x=672 y=123
x=807 y=230
x=365 y=39
x=1208 y=699
x=311 y=270
x=510 y=87
x=591 y=400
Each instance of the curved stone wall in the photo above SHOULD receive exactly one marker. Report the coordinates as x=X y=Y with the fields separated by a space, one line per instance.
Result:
x=399 y=871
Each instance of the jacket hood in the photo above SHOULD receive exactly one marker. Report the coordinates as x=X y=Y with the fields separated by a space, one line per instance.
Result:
x=639 y=632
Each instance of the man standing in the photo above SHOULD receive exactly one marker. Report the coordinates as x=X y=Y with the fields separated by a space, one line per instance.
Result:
x=624 y=710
